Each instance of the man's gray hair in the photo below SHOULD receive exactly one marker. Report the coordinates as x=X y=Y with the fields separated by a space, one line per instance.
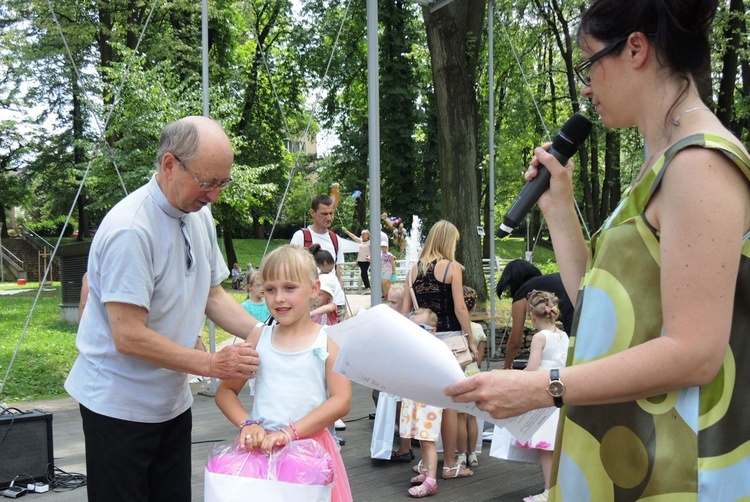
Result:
x=180 y=138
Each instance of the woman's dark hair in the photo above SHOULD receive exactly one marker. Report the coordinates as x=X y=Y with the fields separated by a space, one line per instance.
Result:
x=514 y=275
x=678 y=30
x=322 y=257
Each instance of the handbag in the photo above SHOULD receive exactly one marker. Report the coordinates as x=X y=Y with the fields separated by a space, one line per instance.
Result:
x=458 y=344
x=381 y=444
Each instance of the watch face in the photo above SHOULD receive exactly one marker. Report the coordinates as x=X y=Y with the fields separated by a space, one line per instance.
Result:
x=556 y=388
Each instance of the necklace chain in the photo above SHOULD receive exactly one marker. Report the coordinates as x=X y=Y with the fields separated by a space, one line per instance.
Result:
x=676 y=121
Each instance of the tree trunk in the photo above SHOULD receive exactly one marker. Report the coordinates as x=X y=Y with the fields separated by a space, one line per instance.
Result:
x=733 y=35
x=611 y=188
x=78 y=154
x=454 y=34
x=229 y=247
x=3 y=222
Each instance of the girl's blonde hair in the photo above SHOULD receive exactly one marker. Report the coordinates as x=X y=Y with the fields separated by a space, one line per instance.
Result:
x=251 y=280
x=440 y=244
x=291 y=262
x=430 y=317
x=544 y=305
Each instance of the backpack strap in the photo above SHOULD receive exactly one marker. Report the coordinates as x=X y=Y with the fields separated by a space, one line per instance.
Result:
x=335 y=242
x=307 y=237
x=307 y=241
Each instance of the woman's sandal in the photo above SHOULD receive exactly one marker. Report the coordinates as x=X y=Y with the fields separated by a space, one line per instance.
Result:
x=457 y=471
x=419 y=478
x=423 y=490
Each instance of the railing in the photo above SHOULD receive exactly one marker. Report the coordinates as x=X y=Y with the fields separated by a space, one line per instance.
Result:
x=7 y=253
x=33 y=237
x=350 y=276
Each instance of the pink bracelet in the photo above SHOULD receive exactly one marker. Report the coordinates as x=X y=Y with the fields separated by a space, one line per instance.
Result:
x=294 y=429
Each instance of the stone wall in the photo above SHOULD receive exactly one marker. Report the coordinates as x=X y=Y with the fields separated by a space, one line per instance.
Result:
x=31 y=259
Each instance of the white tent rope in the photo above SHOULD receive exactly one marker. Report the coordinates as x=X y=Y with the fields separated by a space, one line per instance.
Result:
x=286 y=124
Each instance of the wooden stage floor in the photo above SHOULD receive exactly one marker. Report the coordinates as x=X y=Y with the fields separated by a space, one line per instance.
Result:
x=371 y=480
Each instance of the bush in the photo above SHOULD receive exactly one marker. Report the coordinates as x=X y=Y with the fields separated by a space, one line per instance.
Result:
x=52 y=228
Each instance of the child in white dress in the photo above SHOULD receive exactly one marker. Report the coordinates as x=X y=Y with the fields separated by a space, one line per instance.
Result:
x=549 y=349
x=421 y=421
x=297 y=393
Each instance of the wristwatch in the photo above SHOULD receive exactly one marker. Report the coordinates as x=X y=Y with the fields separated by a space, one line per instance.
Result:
x=555 y=387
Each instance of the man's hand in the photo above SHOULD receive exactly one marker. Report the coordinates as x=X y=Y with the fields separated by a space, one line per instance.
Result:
x=238 y=361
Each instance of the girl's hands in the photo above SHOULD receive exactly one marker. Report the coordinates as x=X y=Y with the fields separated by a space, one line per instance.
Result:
x=252 y=437
x=274 y=440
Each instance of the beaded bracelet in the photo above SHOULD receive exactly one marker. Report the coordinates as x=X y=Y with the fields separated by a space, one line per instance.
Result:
x=248 y=421
x=294 y=429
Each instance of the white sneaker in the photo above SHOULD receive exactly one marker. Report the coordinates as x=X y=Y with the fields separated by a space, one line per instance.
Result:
x=339 y=425
x=539 y=497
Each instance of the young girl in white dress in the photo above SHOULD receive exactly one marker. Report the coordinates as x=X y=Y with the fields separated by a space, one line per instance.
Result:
x=549 y=349
x=421 y=421
x=297 y=393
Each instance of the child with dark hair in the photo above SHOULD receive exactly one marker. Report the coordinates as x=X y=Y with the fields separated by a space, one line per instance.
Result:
x=327 y=265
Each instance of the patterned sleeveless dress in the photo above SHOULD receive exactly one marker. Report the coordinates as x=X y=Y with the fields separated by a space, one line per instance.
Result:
x=688 y=445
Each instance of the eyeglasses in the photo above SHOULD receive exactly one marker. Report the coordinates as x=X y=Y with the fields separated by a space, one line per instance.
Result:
x=582 y=70
x=206 y=186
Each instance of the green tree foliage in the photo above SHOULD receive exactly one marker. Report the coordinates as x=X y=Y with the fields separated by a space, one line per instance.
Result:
x=95 y=105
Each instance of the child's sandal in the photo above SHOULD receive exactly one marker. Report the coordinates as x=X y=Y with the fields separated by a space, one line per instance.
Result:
x=457 y=471
x=426 y=489
x=418 y=468
x=419 y=478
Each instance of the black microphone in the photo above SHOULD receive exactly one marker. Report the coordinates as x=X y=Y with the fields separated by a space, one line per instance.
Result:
x=571 y=136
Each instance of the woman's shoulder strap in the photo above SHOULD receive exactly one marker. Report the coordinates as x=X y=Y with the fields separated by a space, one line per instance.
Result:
x=709 y=141
x=447 y=268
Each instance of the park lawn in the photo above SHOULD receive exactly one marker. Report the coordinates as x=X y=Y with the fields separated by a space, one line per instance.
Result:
x=47 y=350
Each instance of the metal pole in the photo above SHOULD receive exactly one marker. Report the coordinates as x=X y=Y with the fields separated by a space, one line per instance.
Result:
x=373 y=122
x=2 y=272
x=491 y=191
x=209 y=385
x=204 y=37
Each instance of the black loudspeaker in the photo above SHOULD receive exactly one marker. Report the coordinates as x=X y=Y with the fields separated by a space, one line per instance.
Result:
x=25 y=446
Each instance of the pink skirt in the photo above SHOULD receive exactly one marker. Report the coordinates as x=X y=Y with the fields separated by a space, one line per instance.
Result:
x=341 y=492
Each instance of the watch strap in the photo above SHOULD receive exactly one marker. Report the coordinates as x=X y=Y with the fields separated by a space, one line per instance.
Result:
x=554 y=376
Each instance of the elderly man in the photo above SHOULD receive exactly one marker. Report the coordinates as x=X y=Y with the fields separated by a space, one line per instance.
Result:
x=154 y=274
